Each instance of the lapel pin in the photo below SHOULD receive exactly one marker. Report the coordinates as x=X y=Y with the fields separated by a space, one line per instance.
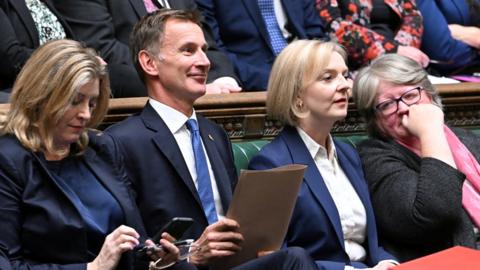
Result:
x=210 y=137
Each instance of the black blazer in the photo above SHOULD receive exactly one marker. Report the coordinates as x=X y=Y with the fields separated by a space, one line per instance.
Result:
x=19 y=37
x=106 y=26
x=417 y=201
x=160 y=175
x=40 y=227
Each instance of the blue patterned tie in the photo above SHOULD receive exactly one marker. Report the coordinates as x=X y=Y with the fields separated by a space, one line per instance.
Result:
x=277 y=40
x=203 y=177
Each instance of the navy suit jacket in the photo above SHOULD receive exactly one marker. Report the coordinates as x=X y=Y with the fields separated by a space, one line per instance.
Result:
x=160 y=175
x=40 y=226
x=240 y=30
x=437 y=41
x=315 y=223
x=19 y=37
x=106 y=26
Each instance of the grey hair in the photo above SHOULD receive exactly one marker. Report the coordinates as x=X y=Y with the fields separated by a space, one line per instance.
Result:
x=390 y=68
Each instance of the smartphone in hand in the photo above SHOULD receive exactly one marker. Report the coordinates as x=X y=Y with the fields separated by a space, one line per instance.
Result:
x=176 y=227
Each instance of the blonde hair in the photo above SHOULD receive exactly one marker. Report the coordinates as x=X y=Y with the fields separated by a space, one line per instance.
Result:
x=296 y=68
x=45 y=88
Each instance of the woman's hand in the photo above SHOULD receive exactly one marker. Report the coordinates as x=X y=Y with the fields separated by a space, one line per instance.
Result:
x=116 y=243
x=424 y=120
x=466 y=34
x=383 y=265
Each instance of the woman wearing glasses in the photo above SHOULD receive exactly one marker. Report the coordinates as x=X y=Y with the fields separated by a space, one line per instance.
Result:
x=424 y=176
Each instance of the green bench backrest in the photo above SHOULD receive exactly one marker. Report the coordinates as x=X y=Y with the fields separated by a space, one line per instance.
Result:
x=243 y=151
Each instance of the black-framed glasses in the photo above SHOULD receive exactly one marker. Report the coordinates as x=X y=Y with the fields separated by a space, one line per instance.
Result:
x=390 y=106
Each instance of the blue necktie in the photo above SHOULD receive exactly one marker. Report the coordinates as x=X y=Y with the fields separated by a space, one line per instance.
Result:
x=277 y=40
x=203 y=177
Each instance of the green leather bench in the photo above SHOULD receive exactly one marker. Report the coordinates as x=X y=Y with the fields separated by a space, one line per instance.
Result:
x=243 y=151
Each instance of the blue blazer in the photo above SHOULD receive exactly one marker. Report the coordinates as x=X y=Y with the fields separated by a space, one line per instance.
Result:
x=437 y=41
x=160 y=175
x=40 y=226
x=239 y=30
x=315 y=223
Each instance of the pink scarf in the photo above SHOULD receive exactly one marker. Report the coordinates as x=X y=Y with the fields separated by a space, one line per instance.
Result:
x=468 y=165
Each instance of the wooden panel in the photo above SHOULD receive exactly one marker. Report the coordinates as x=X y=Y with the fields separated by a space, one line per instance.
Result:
x=243 y=115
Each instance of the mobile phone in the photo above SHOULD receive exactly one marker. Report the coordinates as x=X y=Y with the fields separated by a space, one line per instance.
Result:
x=176 y=227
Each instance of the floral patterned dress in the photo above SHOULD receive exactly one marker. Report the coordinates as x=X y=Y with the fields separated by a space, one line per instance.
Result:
x=350 y=28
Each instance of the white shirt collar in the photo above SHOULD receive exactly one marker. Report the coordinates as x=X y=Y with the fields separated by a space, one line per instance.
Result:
x=174 y=119
x=314 y=148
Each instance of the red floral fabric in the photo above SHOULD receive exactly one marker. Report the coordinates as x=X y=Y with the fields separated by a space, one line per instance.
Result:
x=351 y=30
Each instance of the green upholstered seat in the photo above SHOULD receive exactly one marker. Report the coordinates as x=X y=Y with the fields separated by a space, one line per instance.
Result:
x=243 y=151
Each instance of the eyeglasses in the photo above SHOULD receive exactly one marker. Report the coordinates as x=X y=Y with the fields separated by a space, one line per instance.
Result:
x=390 y=106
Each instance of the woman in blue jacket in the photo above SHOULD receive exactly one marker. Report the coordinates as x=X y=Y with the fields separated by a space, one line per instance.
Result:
x=446 y=34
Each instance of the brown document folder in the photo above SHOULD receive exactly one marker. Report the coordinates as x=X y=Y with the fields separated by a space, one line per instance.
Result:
x=460 y=258
x=262 y=204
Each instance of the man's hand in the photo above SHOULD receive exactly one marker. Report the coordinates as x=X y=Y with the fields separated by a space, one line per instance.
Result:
x=218 y=240
x=217 y=88
x=223 y=85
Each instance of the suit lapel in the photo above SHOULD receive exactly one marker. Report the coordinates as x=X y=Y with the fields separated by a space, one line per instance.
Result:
x=139 y=7
x=221 y=175
x=356 y=180
x=26 y=18
x=313 y=178
x=257 y=18
x=110 y=180
x=352 y=175
x=292 y=11
x=167 y=145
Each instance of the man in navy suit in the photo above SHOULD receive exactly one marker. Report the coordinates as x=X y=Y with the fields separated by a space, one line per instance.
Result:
x=106 y=26
x=169 y=50
x=241 y=30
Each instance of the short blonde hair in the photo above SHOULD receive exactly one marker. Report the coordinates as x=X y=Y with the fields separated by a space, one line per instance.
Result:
x=296 y=68
x=391 y=68
x=45 y=88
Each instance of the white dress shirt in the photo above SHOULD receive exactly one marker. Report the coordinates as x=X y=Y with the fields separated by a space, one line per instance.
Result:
x=281 y=18
x=353 y=217
x=176 y=123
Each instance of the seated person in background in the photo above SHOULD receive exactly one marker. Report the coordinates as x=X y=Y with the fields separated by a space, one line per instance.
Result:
x=368 y=29
x=64 y=200
x=106 y=26
x=424 y=176
x=179 y=162
x=450 y=35
x=27 y=24
x=333 y=218
x=253 y=32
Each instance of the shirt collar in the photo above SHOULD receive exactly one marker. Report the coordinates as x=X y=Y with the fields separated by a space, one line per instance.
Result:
x=314 y=148
x=174 y=119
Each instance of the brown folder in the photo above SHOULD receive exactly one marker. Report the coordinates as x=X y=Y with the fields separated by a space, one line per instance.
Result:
x=450 y=259
x=262 y=204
